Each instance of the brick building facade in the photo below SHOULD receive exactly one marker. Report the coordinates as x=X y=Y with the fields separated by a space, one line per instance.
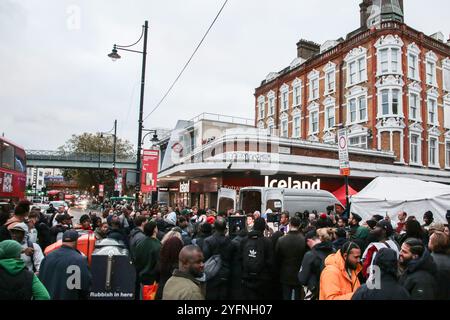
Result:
x=387 y=83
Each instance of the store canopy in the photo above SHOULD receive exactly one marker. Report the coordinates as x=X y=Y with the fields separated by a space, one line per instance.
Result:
x=389 y=195
x=53 y=192
x=340 y=194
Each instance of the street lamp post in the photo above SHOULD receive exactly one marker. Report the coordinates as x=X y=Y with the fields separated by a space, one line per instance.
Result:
x=114 y=55
x=114 y=146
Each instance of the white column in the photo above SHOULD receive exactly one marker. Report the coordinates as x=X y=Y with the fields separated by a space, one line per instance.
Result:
x=391 y=140
x=402 y=141
x=379 y=140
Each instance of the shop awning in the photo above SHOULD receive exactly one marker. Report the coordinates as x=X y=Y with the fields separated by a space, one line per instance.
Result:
x=340 y=194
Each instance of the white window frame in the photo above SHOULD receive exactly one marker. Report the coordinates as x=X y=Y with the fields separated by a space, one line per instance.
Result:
x=414 y=50
x=330 y=108
x=436 y=152
x=360 y=144
x=390 y=92
x=433 y=95
x=419 y=148
x=284 y=128
x=297 y=92
x=313 y=78
x=415 y=89
x=353 y=58
x=431 y=59
x=271 y=125
x=295 y=128
x=357 y=93
x=271 y=103
x=390 y=83
x=446 y=74
x=389 y=43
x=313 y=109
x=284 y=97
x=330 y=72
x=261 y=107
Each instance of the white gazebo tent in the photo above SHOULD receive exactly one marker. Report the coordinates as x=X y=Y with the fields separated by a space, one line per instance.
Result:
x=389 y=195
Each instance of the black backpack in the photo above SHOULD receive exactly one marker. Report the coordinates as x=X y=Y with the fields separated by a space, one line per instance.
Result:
x=253 y=257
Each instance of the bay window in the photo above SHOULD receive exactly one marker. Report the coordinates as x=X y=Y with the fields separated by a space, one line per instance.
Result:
x=390 y=103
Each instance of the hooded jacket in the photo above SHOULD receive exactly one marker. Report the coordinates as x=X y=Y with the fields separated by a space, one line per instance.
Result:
x=58 y=266
x=183 y=286
x=311 y=268
x=335 y=283
x=419 y=278
x=16 y=281
x=388 y=287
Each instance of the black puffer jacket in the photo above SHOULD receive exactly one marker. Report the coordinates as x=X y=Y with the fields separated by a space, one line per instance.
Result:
x=289 y=252
x=419 y=278
x=312 y=266
x=387 y=288
x=443 y=275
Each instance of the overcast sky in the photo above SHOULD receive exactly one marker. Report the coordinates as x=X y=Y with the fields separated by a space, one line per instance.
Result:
x=56 y=80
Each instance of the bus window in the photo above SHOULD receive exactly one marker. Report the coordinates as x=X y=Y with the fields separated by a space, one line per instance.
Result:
x=7 y=161
x=20 y=161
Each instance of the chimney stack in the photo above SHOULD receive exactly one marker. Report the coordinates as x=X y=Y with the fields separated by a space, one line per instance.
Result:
x=307 y=49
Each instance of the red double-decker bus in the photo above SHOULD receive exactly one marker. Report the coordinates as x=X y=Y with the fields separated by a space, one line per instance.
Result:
x=13 y=171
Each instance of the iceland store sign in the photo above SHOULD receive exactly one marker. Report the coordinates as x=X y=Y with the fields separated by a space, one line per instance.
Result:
x=291 y=184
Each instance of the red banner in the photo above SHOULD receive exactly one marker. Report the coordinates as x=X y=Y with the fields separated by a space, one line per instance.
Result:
x=149 y=173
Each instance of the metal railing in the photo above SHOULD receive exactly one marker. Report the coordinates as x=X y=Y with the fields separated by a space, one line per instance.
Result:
x=77 y=156
x=223 y=118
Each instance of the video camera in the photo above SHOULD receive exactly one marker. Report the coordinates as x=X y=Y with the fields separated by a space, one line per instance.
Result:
x=236 y=224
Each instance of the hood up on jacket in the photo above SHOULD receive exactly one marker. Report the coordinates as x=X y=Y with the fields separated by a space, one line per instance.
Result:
x=386 y=259
x=10 y=257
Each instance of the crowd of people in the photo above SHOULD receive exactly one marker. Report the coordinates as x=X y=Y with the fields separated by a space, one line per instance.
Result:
x=196 y=254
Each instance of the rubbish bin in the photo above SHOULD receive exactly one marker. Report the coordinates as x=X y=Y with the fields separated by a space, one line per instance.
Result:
x=113 y=275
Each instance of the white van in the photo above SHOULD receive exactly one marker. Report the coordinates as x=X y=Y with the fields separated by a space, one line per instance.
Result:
x=253 y=199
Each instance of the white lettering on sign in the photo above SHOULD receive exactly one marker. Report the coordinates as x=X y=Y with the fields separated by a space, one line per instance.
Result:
x=291 y=184
x=184 y=187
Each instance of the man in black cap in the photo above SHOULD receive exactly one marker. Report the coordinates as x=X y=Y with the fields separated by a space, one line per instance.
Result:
x=428 y=219
x=65 y=272
x=382 y=234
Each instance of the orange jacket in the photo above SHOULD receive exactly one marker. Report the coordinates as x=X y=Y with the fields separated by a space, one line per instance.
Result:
x=335 y=283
